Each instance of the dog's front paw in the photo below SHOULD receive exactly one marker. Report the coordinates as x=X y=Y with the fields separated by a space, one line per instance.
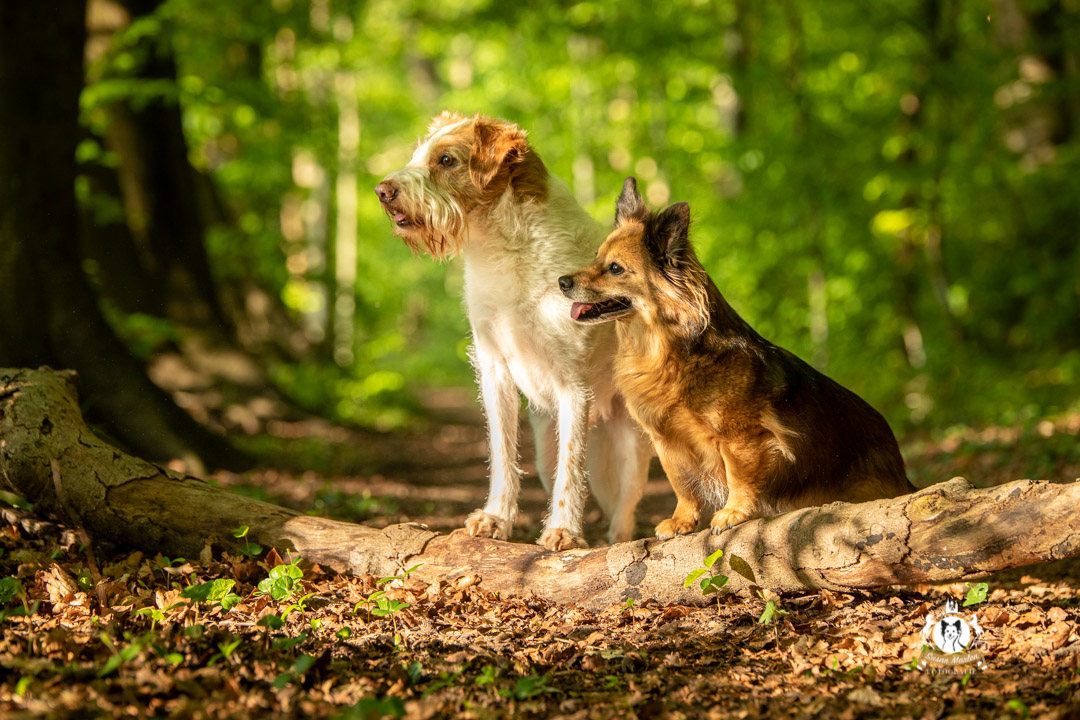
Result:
x=560 y=539
x=482 y=524
x=671 y=527
x=726 y=518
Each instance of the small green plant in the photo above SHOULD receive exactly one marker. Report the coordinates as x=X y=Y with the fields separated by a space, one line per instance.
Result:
x=375 y=709
x=120 y=655
x=271 y=622
x=154 y=614
x=976 y=593
x=299 y=606
x=248 y=548
x=529 y=687
x=11 y=589
x=225 y=650
x=708 y=581
x=1018 y=706
x=283 y=581
x=343 y=634
x=299 y=667
x=216 y=591
x=487 y=676
x=444 y=680
x=768 y=615
x=402 y=576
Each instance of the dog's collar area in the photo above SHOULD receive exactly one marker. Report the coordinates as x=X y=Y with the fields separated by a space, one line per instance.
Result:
x=606 y=310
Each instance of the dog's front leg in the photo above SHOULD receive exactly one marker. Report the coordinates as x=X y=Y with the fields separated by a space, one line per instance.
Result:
x=563 y=528
x=501 y=402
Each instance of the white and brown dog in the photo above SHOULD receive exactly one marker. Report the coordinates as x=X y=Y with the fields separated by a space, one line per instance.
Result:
x=475 y=187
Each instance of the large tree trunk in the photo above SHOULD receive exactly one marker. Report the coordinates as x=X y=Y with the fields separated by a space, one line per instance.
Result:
x=48 y=313
x=946 y=532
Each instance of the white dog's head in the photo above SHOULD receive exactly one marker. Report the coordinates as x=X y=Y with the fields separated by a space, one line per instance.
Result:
x=458 y=171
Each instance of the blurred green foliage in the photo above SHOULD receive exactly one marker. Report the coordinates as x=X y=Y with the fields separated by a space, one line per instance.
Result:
x=887 y=189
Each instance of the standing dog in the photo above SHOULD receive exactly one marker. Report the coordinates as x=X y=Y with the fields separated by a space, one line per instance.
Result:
x=475 y=186
x=738 y=422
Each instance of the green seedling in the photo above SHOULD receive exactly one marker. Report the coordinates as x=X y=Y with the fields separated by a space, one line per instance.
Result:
x=768 y=615
x=976 y=593
x=271 y=622
x=415 y=671
x=283 y=581
x=225 y=650
x=122 y=655
x=248 y=548
x=444 y=680
x=375 y=709
x=402 y=576
x=708 y=581
x=343 y=634
x=300 y=606
x=528 y=687
x=486 y=677
x=155 y=615
x=301 y=666
x=11 y=589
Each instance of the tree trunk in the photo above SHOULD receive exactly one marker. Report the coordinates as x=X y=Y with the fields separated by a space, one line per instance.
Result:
x=943 y=533
x=48 y=313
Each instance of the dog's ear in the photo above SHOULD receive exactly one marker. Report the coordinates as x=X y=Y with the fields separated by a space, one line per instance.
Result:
x=672 y=233
x=497 y=147
x=629 y=206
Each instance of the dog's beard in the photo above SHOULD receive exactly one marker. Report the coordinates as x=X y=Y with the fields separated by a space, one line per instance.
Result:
x=426 y=218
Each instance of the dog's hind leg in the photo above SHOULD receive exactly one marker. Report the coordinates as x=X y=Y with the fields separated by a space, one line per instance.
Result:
x=501 y=403
x=543 y=427
x=618 y=476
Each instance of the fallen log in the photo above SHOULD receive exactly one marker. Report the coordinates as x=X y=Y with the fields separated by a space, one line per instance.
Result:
x=946 y=532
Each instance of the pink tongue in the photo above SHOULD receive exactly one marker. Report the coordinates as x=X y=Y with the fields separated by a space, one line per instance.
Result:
x=577 y=308
x=398 y=217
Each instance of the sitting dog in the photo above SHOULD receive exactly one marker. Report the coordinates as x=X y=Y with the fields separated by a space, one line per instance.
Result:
x=474 y=186
x=738 y=422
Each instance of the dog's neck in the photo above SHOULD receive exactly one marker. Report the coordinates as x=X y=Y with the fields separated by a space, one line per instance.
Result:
x=510 y=225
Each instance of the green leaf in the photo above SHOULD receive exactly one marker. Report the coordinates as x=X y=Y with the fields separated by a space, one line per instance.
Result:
x=711 y=560
x=713 y=583
x=251 y=549
x=241 y=531
x=344 y=633
x=212 y=591
x=10 y=588
x=694 y=575
x=976 y=593
x=303 y=664
x=230 y=601
x=770 y=612
x=271 y=622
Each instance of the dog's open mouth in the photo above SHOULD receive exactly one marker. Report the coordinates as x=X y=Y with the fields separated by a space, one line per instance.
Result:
x=606 y=310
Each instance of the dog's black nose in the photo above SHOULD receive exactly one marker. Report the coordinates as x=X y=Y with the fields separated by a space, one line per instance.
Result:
x=386 y=191
x=566 y=282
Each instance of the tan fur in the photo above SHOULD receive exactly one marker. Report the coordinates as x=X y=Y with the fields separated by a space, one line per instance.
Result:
x=738 y=423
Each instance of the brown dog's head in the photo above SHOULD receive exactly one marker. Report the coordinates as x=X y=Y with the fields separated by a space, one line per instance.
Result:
x=464 y=165
x=646 y=267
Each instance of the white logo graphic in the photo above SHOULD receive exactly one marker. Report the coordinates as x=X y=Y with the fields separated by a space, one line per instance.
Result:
x=956 y=639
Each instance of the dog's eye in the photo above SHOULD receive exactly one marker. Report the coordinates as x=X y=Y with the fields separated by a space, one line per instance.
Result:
x=447 y=161
x=615 y=269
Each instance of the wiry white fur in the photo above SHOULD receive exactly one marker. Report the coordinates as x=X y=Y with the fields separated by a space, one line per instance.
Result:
x=524 y=335
x=525 y=340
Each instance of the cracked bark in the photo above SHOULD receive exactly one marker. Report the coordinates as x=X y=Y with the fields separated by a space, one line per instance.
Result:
x=946 y=532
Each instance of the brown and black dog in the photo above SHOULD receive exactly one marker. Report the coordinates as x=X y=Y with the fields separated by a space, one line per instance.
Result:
x=738 y=422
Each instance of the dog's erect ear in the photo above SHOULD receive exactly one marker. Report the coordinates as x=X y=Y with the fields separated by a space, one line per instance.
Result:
x=672 y=233
x=497 y=146
x=629 y=206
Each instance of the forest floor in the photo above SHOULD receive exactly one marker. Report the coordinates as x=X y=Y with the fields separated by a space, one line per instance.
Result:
x=336 y=646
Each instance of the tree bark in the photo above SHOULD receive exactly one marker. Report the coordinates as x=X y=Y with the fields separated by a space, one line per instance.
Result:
x=48 y=313
x=946 y=532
